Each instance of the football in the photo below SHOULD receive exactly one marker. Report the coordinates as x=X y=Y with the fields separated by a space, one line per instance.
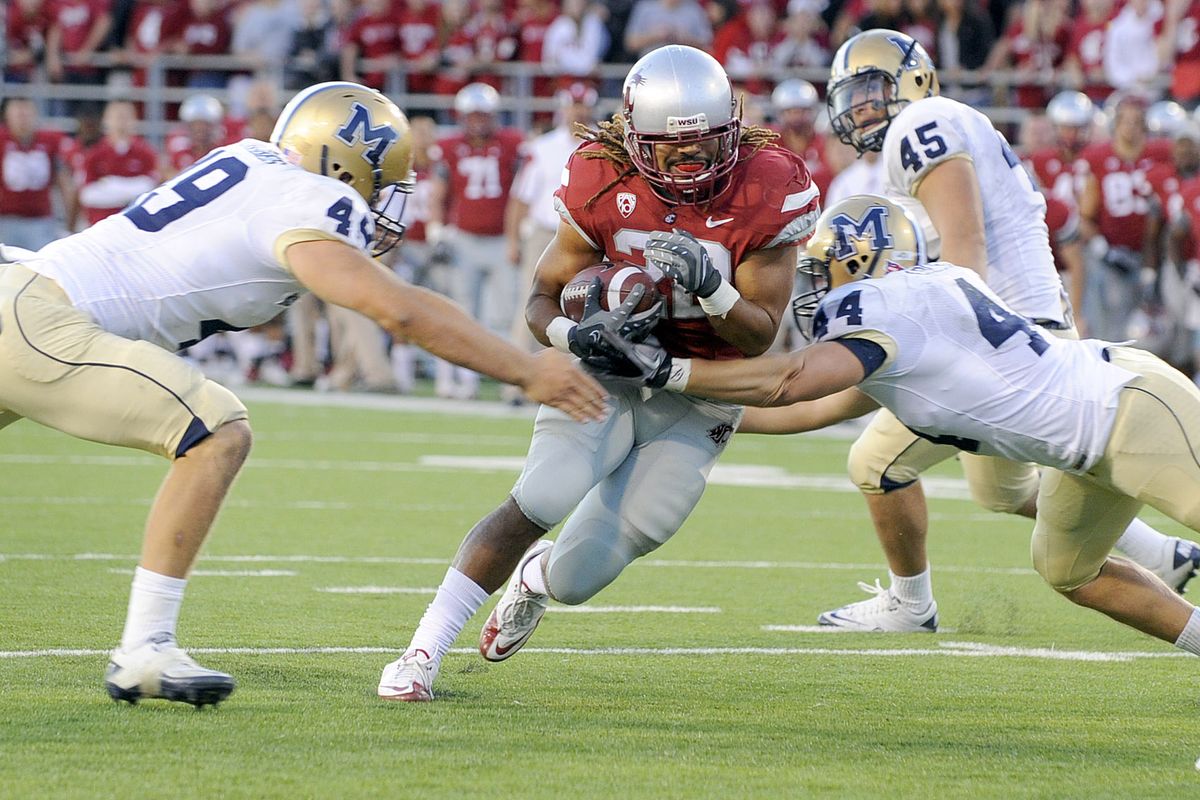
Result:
x=618 y=281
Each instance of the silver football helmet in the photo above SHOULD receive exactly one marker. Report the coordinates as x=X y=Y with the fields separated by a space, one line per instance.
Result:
x=477 y=97
x=1071 y=109
x=201 y=108
x=794 y=93
x=1165 y=118
x=680 y=96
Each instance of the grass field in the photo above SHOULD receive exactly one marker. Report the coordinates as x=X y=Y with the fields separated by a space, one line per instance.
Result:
x=694 y=677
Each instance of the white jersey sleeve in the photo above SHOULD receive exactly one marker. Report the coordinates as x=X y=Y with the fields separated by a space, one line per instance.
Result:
x=206 y=251
x=1020 y=266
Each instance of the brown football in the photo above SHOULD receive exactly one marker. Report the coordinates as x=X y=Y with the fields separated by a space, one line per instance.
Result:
x=618 y=281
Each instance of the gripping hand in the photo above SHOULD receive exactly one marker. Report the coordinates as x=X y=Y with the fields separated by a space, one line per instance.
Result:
x=587 y=339
x=645 y=363
x=684 y=259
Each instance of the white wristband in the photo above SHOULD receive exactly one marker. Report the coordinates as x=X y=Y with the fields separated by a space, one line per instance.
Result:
x=681 y=372
x=558 y=331
x=719 y=302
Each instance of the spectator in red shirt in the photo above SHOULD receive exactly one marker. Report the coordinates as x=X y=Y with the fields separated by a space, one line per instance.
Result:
x=1035 y=44
x=1084 y=63
x=487 y=37
x=77 y=30
x=417 y=29
x=26 y=27
x=532 y=20
x=31 y=162
x=371 y=37
x=1181 y=33
x=119 y=167
x=744 y=46
x=201 y=28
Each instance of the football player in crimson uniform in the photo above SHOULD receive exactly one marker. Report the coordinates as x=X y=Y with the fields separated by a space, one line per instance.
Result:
x=1062 y=222
x=884 y=95
x=225 y=245
x=32 y=162
x=673 y=183
x=117 y=168
x=1113 y=210
x=466 y=220
x=1060 y=169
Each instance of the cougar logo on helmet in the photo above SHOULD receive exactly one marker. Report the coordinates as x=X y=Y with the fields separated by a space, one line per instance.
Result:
x=357 y=136
x=864 y=236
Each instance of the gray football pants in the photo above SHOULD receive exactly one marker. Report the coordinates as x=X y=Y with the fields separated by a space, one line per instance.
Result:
x=632 y=480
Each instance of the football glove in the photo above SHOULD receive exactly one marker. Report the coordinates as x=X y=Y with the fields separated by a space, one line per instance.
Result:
x=645 y=363
x=684 y=259
x=587 y=340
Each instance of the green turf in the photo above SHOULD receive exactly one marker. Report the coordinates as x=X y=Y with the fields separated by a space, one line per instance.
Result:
x=568 y=725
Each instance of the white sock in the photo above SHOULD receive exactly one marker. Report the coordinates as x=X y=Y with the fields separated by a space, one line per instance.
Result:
x=1143 y=545
x=154 y=603
x=457 y=599
x=916 y=590
x=533 y=577
x=1189 y=640
x=404 y=362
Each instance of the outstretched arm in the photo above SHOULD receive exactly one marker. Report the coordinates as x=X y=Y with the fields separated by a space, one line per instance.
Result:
x=813 y=372
x=339 y=274
x=808 y=415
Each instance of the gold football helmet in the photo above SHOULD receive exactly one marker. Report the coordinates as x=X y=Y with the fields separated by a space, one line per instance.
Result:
x=359 y=137
x=874 y=75
x=864 y=236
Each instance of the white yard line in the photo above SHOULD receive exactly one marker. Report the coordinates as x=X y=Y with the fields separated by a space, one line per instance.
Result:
x=229 y=573
x=951 y=649
x=378 y=589
x=644 y=562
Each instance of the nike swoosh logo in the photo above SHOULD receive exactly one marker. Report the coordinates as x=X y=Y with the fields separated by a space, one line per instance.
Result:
x=713 y=223
x=501 y=650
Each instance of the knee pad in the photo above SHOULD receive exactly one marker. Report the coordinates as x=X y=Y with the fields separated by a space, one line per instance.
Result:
x=875 y=471
x=1063 y=571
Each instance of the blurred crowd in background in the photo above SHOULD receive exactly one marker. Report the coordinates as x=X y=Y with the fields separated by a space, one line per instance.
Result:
x=1098 y=97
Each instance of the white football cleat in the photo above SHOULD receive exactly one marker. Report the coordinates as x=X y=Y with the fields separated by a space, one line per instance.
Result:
x=517 y=615
x=1180 y=562
x=159 y=668
x=884 y=612
x=409 y=678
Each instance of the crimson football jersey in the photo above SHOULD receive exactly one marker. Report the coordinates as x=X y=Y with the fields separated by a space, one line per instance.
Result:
x=27 y=172
x=102 y=160
x=1062 y=221
x=1189 y=206
x=771 y=202
x=480 y=178
x=1124 y=194
x=1060 y=175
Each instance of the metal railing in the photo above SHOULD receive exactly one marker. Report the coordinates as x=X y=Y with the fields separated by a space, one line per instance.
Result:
x=517 y=96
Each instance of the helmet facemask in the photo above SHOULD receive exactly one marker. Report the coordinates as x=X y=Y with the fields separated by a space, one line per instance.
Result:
x=804 y=304
x=680 y=186
x=862 y=107
x=388 y=205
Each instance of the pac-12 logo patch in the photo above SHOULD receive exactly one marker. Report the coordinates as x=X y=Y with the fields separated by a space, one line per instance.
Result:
x=626 y=203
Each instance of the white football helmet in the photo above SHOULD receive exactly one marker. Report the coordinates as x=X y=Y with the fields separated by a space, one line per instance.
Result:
x=864 y=236
x=477 y=98
x=794 y=93
x=874 y=75
x=680 y=96
x=201 y=108
x=1165 y=118
x=357 y=136
x=1072 y=114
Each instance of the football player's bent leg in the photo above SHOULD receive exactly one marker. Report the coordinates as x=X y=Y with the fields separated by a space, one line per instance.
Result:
x=565 y=460
x=641 y=504
x=1078 y=523
x=1000 y=485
